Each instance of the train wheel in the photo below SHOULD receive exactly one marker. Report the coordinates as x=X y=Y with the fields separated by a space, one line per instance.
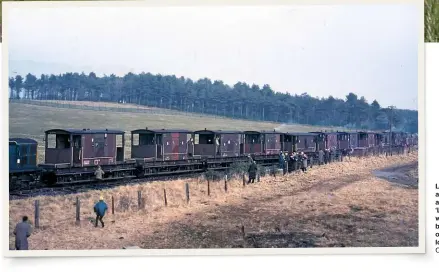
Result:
x=139 y=172
x=13 y=183
x=48 y=178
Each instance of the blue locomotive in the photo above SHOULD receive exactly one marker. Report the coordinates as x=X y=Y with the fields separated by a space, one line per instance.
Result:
x=23 y=167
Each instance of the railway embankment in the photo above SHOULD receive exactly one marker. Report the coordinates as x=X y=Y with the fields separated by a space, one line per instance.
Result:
x=342 y=204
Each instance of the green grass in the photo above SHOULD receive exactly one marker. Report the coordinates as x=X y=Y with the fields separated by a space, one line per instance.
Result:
x=431 y=20
x=26 y=120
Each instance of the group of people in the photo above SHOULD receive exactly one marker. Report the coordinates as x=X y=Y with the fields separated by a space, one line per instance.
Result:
x=326 y=156
x=293 y=160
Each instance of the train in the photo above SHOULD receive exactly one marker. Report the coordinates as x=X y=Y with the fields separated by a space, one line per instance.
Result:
x=72 y=155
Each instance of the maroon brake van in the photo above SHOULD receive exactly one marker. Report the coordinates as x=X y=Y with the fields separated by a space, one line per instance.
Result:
x=217 y=143
x=161 y=144
x=84 y=147
x=271 y=142
x=251 y=142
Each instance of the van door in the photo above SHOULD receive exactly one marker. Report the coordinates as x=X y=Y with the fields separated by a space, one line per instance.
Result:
x=77 y=150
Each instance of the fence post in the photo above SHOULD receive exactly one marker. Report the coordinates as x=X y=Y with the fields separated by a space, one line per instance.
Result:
x=225 y=184
x=139 y=199
x=78 y=210
x=164 y=194
x=187 y=192
x=112 y=205
x=208 y=187
x=243 y=180
x=259 y=178
x=37 y=214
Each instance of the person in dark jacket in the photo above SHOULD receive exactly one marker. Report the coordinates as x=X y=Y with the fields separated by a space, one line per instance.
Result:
x=326 y=156
x=290 y=162
x=22 y=232
x=100 y=208
x=253 y=168
x=321 y=155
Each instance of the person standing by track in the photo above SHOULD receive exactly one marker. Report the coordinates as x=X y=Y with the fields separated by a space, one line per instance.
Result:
x=281 y=160
x=304 y=160
x=290 y=162
x=321 y=155
x=22 y=232
x=252 y=169
x=99 y=173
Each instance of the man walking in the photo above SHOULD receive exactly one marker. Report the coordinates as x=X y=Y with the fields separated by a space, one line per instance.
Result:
x=100 y=208
x=22 y=232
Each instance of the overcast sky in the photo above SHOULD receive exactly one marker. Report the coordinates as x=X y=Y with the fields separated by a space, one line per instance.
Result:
x=322 y=50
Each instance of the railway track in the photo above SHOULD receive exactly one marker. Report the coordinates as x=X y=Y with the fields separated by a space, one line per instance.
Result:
x=83 y=186
x=38 y=189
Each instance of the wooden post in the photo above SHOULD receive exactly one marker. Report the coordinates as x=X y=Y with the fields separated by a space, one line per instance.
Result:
x=139 y=199
x=286 y=168
x=37 y=214
x=243 y=232
x=164 y=194
x=225 y=184
x=187 y=192
x=112 y=205
x=259 y=178
x=208 y=187
x=78 y=210
x=274 y=170
x=243 y=180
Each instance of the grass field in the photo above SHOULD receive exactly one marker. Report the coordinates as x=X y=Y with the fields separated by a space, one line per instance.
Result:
x=338 y=205
x=32 y=120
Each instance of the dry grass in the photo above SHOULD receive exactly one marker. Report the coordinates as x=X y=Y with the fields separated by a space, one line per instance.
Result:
x=31 y=121
x=341 y=204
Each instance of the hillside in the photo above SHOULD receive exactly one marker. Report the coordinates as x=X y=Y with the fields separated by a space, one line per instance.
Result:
x=206 y=96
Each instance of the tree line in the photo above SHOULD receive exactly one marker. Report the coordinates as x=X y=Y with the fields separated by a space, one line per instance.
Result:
x=215 y=97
